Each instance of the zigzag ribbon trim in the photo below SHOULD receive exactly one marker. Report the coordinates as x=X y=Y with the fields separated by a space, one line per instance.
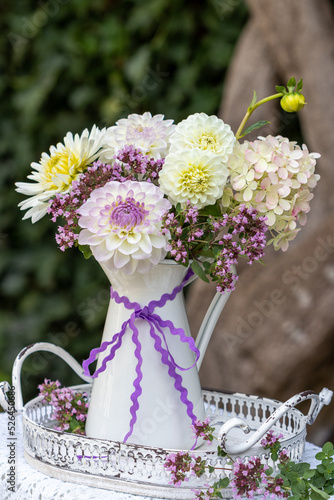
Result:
x=160 y=344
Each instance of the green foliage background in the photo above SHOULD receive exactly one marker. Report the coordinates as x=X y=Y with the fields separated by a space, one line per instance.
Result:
x=65 y=65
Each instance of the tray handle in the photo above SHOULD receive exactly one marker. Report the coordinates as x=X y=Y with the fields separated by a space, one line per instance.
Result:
x=317 y=403
x=16 y=372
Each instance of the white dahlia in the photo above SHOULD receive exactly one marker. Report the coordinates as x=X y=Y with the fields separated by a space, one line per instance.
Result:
x=208 y=133
x=148 y=133
x=56 y=171
x=195 y=176
x=122 y=225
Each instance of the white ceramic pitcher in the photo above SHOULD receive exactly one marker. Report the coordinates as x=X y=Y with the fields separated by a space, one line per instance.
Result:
x=161 y=418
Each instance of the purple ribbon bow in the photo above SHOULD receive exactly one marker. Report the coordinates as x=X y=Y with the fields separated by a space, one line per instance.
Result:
x=160 y=344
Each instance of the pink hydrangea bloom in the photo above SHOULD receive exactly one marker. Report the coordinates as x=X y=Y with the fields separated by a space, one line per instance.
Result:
x=276 y=177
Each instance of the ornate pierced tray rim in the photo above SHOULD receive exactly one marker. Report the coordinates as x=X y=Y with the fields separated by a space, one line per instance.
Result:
x=134 y=483
x=158 y=450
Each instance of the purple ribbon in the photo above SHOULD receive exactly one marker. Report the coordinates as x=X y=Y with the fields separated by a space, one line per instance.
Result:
x=156 y=324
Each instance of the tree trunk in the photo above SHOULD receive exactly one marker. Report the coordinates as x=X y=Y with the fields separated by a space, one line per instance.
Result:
x=275 y=336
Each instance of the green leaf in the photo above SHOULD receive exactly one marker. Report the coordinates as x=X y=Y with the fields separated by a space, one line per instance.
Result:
x=294 y=488
x=223 y=483
x=301 y=468
x=87 y=253
x=207 y=266
x=319 y=481
x=291 y=84
x=216 y=250
x=315 y=496
x=255 y=126
x=329 y=489
x=221 y=452
x=308 y=474
x=218 y=494
x=322 y=493
x=299 y=85
x=320 y=456
x=280 y=89
x=74 y=424
x=301 y=485
x=327 y=447
x=253 y=100
x=199 y=271
x=178 y=208
x=292 y=476
x=213 y=210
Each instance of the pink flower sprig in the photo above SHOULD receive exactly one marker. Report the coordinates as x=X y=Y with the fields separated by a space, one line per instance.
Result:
x=184 y=465
x=203 y=430
x=69 y=407
x=271 y=442
x=222 y=239
x=65 y=205
x=47 y=388
x=253 y=478
x=248 y=477
x=141 y=166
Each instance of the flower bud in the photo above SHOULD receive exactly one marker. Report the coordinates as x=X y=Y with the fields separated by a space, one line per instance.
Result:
x=293 y=102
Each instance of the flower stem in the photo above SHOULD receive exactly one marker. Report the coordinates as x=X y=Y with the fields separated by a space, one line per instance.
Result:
x=253 y=108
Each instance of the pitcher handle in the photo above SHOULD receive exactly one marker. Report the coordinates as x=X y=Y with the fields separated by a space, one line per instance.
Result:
x=16 y=372
x=317 y=402
x=208 y=324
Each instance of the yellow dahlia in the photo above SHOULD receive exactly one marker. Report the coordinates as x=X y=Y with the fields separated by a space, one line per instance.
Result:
x=56 y=171
x=195 y=176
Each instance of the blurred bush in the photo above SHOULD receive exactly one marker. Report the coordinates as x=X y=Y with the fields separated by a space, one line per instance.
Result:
x=65 y=65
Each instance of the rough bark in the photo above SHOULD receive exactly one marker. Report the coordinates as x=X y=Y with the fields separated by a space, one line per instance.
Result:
x=250 y=69
x=275 y=336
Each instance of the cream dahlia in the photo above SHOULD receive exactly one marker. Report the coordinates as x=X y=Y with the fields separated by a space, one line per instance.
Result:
x=122 y=225
x=56 y=171
x=208 y=133
x=195 y=176
x=148 y=133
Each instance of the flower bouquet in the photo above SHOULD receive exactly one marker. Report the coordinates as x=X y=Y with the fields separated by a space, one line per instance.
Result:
x=142 y=195
x=146 y=189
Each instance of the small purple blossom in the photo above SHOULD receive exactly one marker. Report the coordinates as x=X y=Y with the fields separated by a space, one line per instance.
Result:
x=283 y=456
x=248 y=477
x=182 y=466
x=69 y=407
x=203 y=430
x=270 y=439
x=241 y=232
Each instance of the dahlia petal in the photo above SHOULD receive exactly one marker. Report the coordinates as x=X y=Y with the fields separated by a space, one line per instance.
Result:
x=120 y=259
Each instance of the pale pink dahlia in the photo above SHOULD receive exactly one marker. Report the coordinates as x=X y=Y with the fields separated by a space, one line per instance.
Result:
x=150 y=134
x=122 y=225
